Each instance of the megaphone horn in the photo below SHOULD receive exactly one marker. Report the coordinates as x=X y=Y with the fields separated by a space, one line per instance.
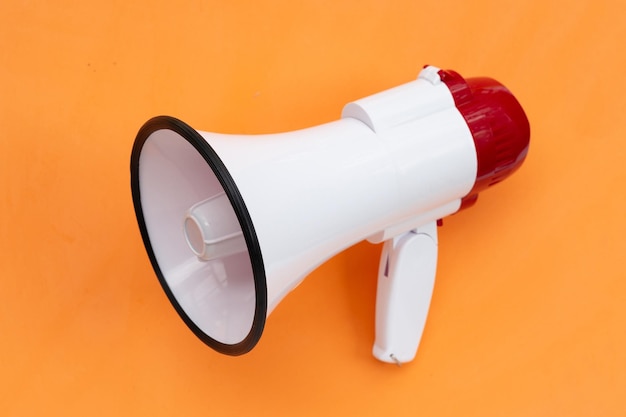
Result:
x=232 y=223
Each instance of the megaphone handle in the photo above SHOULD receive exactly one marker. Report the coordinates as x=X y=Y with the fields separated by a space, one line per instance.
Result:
x=406 y=279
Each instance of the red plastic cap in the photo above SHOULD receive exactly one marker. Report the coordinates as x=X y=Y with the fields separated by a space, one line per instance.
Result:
x=497 y=122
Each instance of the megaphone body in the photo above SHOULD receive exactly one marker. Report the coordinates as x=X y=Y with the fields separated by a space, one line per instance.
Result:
x=233 y=223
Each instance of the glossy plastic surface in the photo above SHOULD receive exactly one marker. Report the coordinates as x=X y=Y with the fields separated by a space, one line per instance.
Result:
x=214 y=289
x=212 y=230
x=395 y=161
x=406 y=278
x=498 y=124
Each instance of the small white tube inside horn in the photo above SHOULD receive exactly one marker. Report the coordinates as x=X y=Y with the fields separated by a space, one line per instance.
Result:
x=212 y=230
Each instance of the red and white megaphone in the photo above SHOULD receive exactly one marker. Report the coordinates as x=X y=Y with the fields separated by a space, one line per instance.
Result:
x=232 y=223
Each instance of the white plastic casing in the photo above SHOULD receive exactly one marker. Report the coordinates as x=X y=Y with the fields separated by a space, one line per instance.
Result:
x=396 y=160
x=406 y=279
x=386 y=171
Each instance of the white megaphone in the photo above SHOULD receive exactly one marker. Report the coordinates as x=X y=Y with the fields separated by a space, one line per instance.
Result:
x=232 y=223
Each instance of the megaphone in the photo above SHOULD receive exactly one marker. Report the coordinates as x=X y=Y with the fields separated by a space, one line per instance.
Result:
x=233 y=223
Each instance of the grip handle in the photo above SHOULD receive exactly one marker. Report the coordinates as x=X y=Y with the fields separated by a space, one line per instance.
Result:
x=406 y=279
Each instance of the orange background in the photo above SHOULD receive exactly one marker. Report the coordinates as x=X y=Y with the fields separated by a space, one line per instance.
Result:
x=529 y=311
